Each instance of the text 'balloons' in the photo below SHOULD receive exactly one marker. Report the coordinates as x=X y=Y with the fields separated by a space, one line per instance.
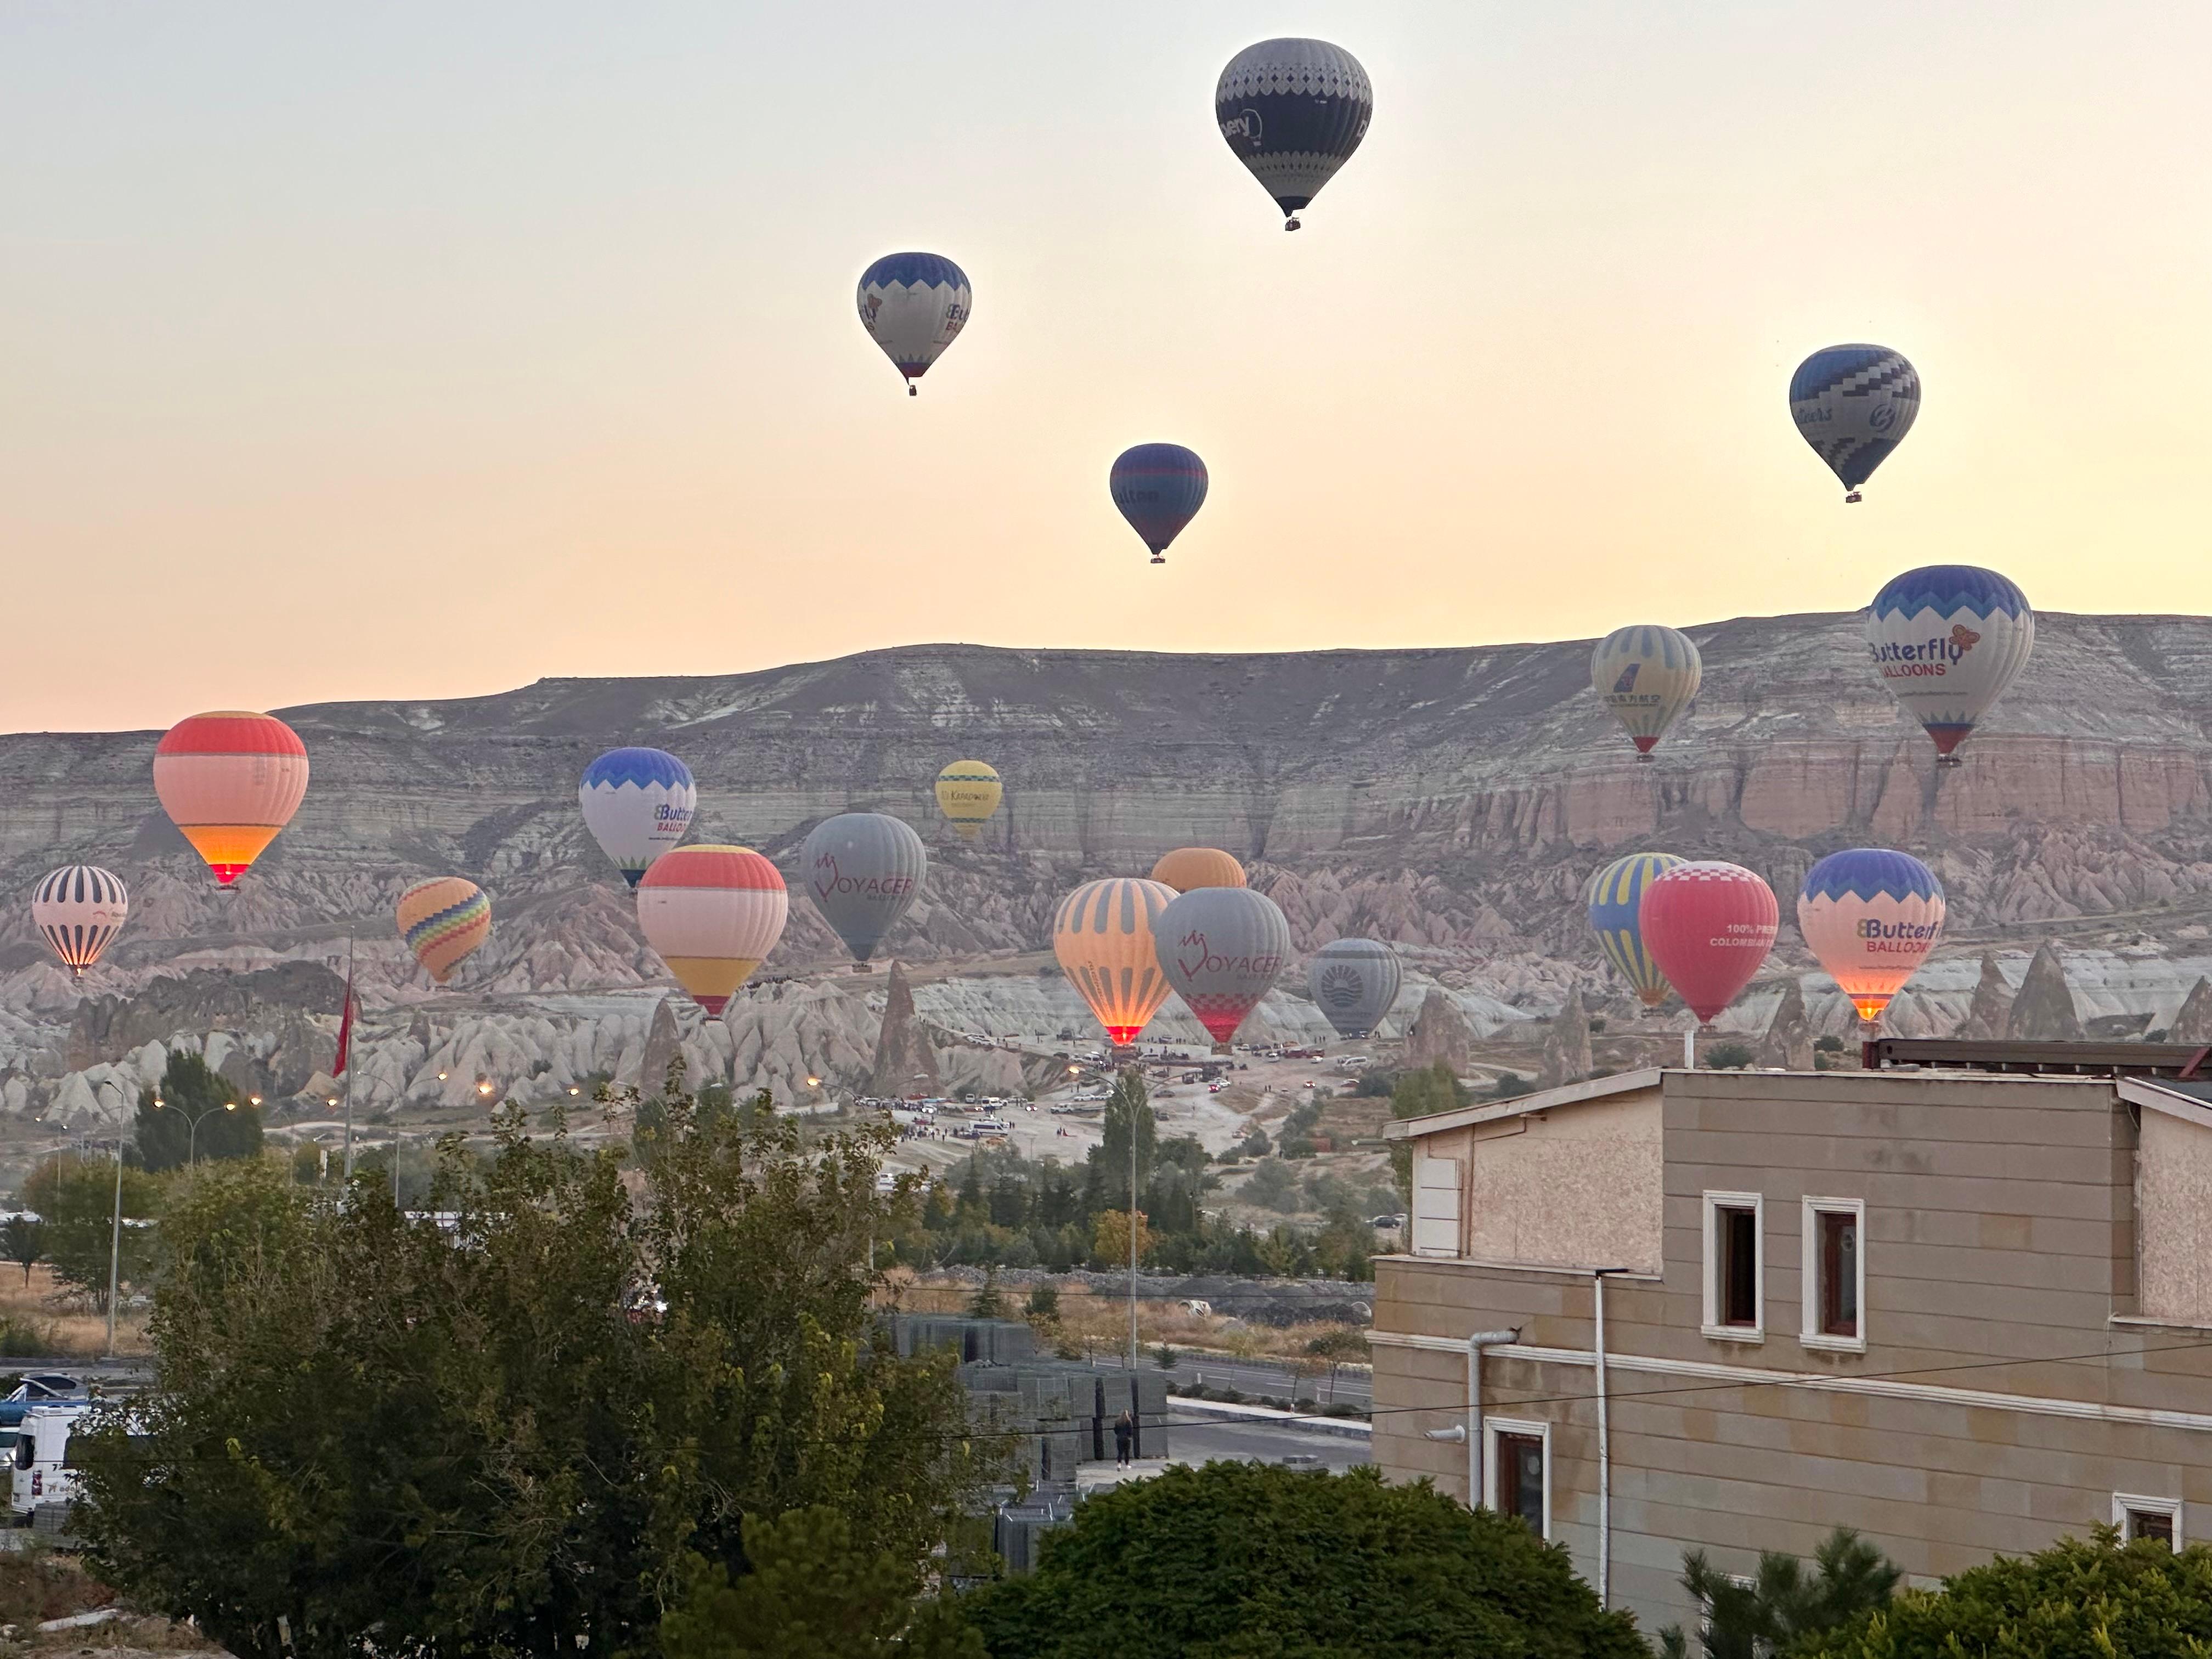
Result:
x=1198 y=866
x=1853 y=404
x=1102 y=935
x=637 y=803
x=712 y=913
x=914 y=306
x=1947 y=639
x=1222 y=948
x=864 y=871
x=1293 y=111
x=1159 y=488
x=1616 y=901
x=1871 y=916
x=79 y=909
x=444 y=921
x=1709 y=925
x=968 y=793
x=1354 y=982
x=230 y=780
x=1645 y=676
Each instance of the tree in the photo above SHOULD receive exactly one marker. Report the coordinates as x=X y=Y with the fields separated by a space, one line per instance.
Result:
x=1129 y=1111
x=2091 y=1598
x=74 y=1197
x=505 y=1427
x=1784 y=1603
x=1109 y=1238
x=1243 y=1559
x=1044 y=1301
x=1729 y=1056
x=193 y=1092
x=989 y=1302
x=1342 y=1346
x=810 y=1594
x=23 y=1240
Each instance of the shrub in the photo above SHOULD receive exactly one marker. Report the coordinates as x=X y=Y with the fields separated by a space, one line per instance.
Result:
x=1728 y=1057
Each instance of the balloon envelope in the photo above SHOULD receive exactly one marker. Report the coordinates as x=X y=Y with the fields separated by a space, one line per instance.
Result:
x=1103 y=934
x=914 y=306
x=1709 y=925
x=444 y=920
x=1871 y=916
x=230 y=780
x=637 y=803
x=712 y=913
x=968 y=793
x=864 y=871
x=1222 y=948
x=1198 y=866
x=1354 y=982
x=1853 y=404
x=1159 y=488
x=79 y=908
x=1947 y=639
x=1646 y=677
x=1293 y=111
x=1616 y=899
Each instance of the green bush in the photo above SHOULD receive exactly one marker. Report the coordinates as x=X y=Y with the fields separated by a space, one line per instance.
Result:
x=1728 y=1057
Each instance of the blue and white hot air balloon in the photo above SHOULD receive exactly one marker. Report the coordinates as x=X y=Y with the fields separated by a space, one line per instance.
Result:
x=1871 y=916
x=1947 y=639
x=1293 y=111
x=1616 y=902
x=914 y=306
x=1159 y=488
x=1853 y=404
x=638 y=804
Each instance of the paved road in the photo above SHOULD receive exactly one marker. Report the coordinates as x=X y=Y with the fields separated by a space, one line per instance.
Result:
x=1265 y=1377
x=1262 y=1442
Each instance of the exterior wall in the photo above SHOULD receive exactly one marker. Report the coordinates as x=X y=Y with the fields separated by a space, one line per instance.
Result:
x=2173 y=1194
x=2010 y=1387
x=1577 y=1187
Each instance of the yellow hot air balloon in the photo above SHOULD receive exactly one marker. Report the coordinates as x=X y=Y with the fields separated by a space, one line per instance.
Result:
x=444 y=920
x=1102 y=935
x=968 y=793
x=1188 y=868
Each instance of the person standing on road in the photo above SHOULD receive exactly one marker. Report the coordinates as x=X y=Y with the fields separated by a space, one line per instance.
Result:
x=1125 y=1432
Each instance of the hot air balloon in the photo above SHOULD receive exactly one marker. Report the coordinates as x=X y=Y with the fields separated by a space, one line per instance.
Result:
x=1102 y=935
x=1871 y=917
x=1853 y=404
x=865 y=869
x=1198 y=866
x=1616 y=898
x=1947 y=639
x=230 y=782
x=79 y=908
x=444 y=921
x=637 y=803
x=1222 y=948
x=968 y=793
x=1159 y=488
x=1647 y=676
x=1709 y=925
x=712 y=913
x=1293 y=111
x=1354 y=982
x=914 y=306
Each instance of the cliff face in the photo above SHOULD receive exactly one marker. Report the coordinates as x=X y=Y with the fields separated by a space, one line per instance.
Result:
x=1453 y=800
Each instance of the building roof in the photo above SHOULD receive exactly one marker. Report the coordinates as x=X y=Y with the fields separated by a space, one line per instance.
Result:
x=1494 y=1111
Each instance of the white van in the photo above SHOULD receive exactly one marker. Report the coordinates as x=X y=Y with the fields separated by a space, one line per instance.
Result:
x=42 y=1473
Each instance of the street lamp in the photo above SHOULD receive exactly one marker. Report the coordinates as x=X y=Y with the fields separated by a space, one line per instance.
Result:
x=193 y=1120
x=115 y=1234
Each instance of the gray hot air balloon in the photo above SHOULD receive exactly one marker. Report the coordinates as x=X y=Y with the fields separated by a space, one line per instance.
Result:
x=1355 y=981
x=863 y=870
x=1222 y=947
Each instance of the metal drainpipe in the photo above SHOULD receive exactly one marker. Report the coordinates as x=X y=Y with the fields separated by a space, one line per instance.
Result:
x=1604 y=1444
x=1475 y=1345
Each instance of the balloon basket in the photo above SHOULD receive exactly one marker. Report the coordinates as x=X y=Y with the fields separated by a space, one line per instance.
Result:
x=1948 y=761
x=1291 y=223
x=914 y=390
x=1852 y=497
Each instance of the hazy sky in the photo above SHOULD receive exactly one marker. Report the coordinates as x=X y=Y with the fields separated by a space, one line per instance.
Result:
x=414 y=350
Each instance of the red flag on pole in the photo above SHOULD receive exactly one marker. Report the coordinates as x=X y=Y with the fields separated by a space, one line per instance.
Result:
x=345 y=1028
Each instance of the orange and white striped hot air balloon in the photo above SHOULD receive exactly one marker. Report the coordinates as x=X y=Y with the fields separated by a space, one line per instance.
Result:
x=1102 y=935
x=712 y=913
x=230 y=782
x=1189 y=868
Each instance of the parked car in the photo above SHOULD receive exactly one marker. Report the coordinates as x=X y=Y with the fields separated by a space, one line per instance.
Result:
x=37 y=1389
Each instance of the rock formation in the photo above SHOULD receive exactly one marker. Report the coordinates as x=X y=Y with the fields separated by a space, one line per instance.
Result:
x=2194 y=1023
x=1787 y=1043
x=1567 y=1044
x=661 y=1049
x=1440 y=1031
x=2043 y=1010
x=1989 y=1015
x=905 y=1062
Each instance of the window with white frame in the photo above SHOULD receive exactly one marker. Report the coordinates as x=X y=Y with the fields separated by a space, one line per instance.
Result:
x=2138 y=1517
x=1735 y=1266
x=1832 y=1279
x=1516 y=1471
x=1436 y=1205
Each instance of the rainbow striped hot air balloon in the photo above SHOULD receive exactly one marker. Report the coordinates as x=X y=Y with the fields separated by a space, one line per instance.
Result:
x=712 y=913
x=444 y=921
x=230 y=780
x=1871 y=916
x=1616 y=896
x=1102 y=935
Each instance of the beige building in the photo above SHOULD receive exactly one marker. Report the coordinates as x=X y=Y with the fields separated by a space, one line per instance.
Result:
x=1963 y=1312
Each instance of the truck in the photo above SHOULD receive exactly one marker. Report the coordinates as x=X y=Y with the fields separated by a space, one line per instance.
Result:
x=43 y=1472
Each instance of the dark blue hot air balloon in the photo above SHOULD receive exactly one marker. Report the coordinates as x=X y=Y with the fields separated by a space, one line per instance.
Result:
x=1293 y=111
x=1853 y=404
x=1159 y=488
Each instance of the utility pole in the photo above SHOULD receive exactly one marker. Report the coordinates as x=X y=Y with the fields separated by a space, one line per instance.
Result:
x=115 y=1236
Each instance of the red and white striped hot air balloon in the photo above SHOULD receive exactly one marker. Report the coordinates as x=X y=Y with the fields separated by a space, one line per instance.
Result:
x=1709 y=925
x=230 y=782
x=79 y=908
x=712 y=913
